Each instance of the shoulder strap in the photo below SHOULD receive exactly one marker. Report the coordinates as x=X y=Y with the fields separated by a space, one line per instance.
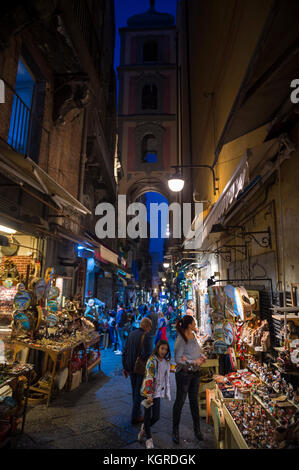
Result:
x=141 y=343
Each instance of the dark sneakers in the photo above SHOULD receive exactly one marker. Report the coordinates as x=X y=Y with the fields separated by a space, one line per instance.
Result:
x=198 y=434
x=175 y=436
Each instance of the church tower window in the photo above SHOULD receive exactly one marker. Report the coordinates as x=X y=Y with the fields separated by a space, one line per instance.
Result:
x=149 y=149
x=150 y=51
x=150 y=97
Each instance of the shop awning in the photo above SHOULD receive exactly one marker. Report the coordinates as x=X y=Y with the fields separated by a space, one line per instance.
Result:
x=229 y=194
x=22 y=169
x=108 y=255
x=266 y=85
x=251 y=169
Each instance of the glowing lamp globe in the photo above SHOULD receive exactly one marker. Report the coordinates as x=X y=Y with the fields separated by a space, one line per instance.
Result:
x=176 y=183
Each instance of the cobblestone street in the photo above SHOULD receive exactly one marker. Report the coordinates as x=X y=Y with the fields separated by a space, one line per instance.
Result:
x=97 y=415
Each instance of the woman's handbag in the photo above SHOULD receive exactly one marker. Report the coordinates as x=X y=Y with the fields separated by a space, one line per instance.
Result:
x=140 y=363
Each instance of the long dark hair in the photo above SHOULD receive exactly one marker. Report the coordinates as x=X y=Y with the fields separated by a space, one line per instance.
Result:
x=160 y=343
x=182 y=325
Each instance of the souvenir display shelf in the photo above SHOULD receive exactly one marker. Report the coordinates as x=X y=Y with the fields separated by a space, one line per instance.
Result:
x=60 y=357
x=14 y=378
x=231 y=436
x=227 y=432
x=272 y=394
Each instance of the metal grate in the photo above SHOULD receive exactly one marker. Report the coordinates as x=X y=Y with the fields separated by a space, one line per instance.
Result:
x=277 y=324
x=266 y=302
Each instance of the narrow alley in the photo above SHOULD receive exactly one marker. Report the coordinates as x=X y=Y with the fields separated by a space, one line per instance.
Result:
x=97 y=416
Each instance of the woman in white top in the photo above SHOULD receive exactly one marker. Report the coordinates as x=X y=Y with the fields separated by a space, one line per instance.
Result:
x=188 y=358
x=156 y=385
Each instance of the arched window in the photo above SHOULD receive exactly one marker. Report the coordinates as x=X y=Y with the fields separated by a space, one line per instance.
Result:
x=149 y=148
x=150 y=97
x=150 y=51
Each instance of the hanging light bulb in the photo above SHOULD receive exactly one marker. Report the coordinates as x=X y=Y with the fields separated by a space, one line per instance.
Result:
x=176 y=182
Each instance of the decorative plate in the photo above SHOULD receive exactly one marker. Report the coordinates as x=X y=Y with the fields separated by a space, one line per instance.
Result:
x=22 y=300
x=53 y=293
x=52 y=306
x=52 y=320
x=62 y=378
x=218 y=331
x=39 y=288
x=220 y=347
x=228 y=333
x=22 y=321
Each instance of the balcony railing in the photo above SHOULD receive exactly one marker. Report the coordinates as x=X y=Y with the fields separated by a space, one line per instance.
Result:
x=25 y=129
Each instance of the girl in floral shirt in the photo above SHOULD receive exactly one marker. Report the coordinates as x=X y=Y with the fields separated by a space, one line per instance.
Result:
x=156 y=385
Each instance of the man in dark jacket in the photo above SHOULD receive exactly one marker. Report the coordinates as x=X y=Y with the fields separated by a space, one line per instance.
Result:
x=129 y=357
x=154 y=317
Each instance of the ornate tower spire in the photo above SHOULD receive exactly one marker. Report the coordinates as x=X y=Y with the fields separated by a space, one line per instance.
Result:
x=152 y=4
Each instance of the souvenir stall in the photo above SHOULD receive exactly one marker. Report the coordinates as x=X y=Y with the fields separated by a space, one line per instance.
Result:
x=60 y=342
x=14 y=385
x=254 y=404
x=19 y=259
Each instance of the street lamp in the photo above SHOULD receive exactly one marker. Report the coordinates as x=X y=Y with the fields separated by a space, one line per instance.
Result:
x=166 y=265
x=176 y=182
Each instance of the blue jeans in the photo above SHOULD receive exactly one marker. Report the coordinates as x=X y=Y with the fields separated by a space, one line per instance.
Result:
x=112 y=334
x=121 y=338
x=136 y=382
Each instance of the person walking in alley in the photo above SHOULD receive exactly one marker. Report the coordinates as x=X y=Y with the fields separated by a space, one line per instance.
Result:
x=188 y=359
x=162 y=327
x=138 y=345
x=121 y=320
x=155 y=385
x=111 y=323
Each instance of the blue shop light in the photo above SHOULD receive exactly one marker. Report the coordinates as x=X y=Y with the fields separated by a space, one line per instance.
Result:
x=121 y=272
x=80 y=247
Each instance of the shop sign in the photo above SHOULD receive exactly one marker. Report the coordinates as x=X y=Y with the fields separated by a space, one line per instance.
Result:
x=108 y=255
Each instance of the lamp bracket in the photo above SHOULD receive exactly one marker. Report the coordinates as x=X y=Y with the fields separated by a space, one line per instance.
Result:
x=215 y=179
x=264 y=242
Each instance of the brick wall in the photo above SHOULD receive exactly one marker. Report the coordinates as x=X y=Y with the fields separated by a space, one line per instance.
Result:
x=21 y=263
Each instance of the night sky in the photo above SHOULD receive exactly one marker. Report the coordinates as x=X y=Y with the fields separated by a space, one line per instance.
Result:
x=126 y=8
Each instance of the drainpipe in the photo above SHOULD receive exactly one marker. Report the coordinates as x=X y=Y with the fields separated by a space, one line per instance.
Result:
x=83 y=158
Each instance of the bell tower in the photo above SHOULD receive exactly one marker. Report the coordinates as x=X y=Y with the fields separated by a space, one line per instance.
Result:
x=147 y=102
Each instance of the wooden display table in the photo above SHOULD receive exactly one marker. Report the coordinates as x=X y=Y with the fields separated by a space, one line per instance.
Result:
x=62 y=357
x=14 y=382
x=54 y=355
x=211 y=363
x=203 y=386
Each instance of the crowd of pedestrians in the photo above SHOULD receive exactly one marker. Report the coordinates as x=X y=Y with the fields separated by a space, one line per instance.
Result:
x=139 y=335
x=146 y=360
